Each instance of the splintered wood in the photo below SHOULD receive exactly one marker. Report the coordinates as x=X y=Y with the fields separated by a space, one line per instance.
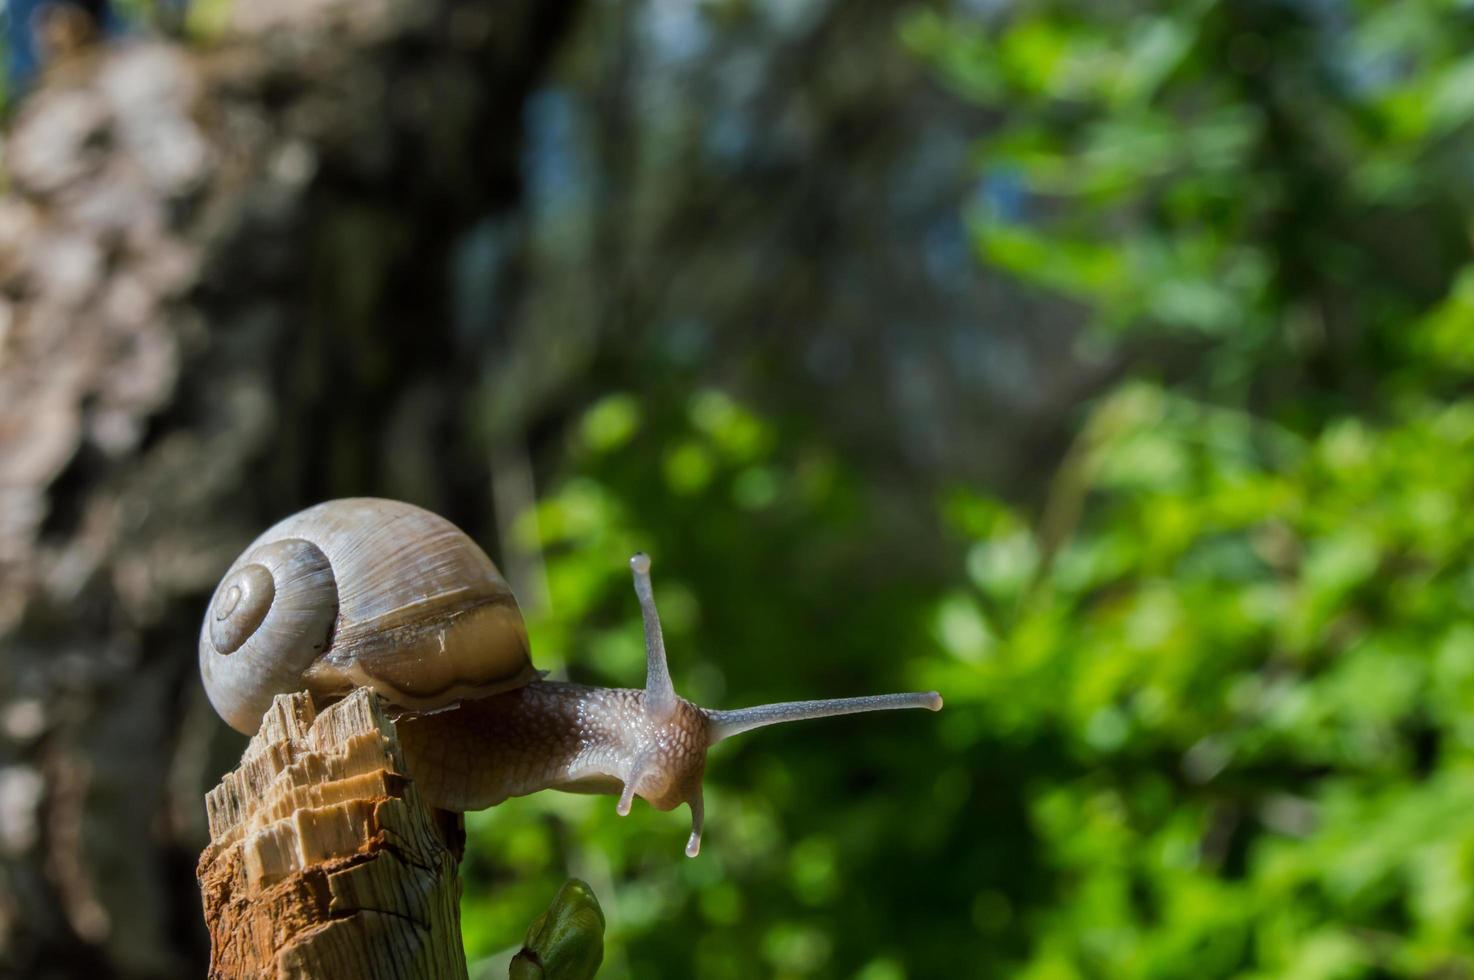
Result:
x=323 y=859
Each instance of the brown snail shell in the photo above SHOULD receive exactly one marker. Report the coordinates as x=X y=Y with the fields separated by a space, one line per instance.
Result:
x=361 y=592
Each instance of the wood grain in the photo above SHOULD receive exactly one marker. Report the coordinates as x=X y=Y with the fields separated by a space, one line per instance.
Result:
x=323 y=860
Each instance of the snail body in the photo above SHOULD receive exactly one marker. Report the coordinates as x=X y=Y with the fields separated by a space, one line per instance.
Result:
x=375 y=593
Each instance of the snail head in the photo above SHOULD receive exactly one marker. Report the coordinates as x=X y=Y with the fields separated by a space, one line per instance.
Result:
x=667 y=743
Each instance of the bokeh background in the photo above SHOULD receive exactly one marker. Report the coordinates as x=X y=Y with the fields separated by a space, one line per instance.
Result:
x=1106 y=366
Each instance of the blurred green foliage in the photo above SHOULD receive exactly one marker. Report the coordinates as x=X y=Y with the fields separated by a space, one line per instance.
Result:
x=795 y=600
x=1246 y=610
x=1284 y=183
x=1258 y=652
x=1210 y=697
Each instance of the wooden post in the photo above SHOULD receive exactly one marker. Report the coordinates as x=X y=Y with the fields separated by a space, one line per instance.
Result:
x=323 y=859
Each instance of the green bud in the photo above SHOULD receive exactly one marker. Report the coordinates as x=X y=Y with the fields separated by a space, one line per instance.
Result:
x=567 y=941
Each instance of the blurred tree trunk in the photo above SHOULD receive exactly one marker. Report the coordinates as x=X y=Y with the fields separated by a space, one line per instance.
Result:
x=227 y=288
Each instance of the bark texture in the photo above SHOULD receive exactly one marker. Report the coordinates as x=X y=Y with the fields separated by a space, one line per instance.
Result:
x=324 y=860
x=226 y=279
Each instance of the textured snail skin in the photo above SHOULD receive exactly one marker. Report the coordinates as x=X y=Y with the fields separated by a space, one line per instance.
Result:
x=550 y=735
x=581 y=739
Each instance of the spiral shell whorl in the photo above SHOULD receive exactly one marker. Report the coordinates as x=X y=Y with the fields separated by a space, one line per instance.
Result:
x=241 y=603
x=271 y=616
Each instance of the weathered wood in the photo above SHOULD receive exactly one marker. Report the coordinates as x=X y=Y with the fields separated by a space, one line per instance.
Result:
x=323 y=859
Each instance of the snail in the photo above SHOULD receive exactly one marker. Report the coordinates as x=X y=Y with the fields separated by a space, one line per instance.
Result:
x=376 y=593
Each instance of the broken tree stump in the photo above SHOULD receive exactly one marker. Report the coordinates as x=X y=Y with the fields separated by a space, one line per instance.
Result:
x=323 y=859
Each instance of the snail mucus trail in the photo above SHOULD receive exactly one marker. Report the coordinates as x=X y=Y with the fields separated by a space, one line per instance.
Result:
x=477 y=723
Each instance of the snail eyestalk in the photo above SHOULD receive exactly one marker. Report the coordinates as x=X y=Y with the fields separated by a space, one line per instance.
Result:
x=725 y=724
x=660 y=693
